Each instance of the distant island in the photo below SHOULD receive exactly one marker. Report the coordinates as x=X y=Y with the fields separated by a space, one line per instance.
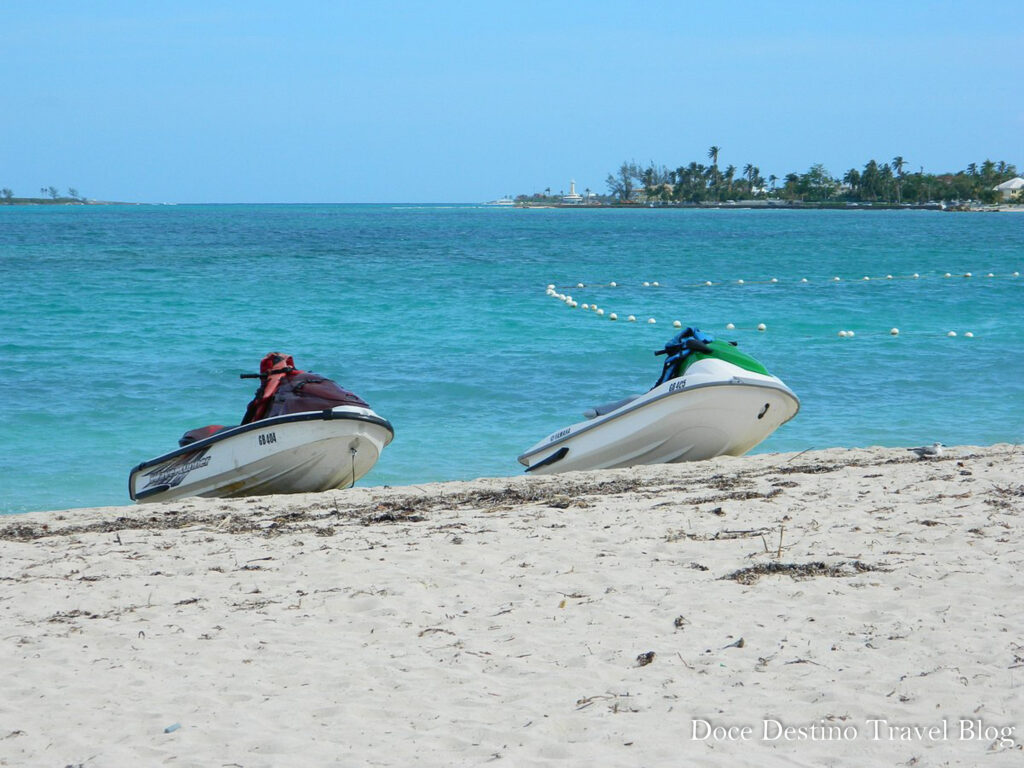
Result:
x=885 y=185
x=49 y=196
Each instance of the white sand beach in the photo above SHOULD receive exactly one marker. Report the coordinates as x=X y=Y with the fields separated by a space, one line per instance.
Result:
x=830 y=608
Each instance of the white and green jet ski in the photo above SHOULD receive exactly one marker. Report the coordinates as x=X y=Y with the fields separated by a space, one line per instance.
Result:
x=711 y=400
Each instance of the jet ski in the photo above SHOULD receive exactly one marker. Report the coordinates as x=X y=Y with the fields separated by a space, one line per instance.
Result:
x=301 y=433
x=711 y=400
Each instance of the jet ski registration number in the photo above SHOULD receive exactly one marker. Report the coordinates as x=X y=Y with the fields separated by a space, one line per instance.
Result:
x=268 y=438
x=675 y=386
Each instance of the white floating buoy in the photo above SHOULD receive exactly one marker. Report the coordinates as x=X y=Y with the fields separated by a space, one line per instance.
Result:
x=580 y=285
x=646 y=284
x=613 y=284
x=631 y=319
x=676 y=324
x=651 y=321
x=866 y=277
x=600 y=312
x=551 y=286
x=842 y=334
x=655 y=283
x=969 y=335
x=894 y=331
x=567 y=298
x=594 y=307
x=762 y=327
x=951 y=334
x=740 y=281
x=835 y=279
x=707 y=282
x=888 y=277
x=1016 y=274
x=947 y=275
x=989 y=275
x=586 y=306
x=730 y=327
x=803 y=279
x=968 y=274
x=915 y=275
x=573 y=304
x=849 y=334
x=613 y=316
x=774 y=280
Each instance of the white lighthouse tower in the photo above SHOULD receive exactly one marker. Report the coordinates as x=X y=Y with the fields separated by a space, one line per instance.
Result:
x=572 y=198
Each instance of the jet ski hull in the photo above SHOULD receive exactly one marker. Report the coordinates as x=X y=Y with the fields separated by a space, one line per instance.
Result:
x=294 y=453
x=715 y=409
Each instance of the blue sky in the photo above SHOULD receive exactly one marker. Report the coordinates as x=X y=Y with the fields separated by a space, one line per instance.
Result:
x=338 y=101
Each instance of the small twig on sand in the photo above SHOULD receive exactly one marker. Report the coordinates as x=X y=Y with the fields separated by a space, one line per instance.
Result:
x=798 y=455
x=781 y=529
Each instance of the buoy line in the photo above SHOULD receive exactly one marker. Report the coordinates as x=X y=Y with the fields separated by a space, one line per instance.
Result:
x=801 y=281
x=842 y=333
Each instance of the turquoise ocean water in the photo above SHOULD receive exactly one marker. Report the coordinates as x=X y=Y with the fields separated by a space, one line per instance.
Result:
x=123 y=326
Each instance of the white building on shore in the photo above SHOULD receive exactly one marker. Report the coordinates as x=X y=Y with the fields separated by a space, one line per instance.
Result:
x=1010 y=189
x=572 y=198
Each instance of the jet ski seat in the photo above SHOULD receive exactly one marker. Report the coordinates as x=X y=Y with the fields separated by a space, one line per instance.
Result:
x=201 y=433
x=601 y=410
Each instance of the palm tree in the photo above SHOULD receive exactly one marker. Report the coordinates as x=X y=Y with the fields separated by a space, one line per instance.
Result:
x=772 y=178
x=713 y=171
x=869 y=180
x=729 y=173
x=756 y=182
x=852 y=180
x=691 y=184
x=897 y=163
x=586 y=192
x=647 y=177
x=885 y=174
x=750 y=173
x=791 y=188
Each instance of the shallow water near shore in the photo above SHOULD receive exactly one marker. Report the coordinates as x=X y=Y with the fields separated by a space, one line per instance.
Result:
x=124 y=326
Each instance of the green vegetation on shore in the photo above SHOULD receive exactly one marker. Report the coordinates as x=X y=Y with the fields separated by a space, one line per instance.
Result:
x=48 y=196
x=885 y=184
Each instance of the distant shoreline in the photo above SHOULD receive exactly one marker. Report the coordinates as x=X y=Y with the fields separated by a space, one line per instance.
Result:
x=756 y=205
x=774 y=205
x=59 y=201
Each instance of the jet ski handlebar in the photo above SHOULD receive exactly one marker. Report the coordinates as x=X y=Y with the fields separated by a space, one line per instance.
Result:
x=691 y=344
x=264 y=375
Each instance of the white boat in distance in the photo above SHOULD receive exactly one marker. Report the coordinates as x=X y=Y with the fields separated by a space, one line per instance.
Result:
x=711 y=400
x=282 y=446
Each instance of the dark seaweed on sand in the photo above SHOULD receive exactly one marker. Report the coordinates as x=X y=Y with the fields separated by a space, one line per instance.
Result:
x=802 y=570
